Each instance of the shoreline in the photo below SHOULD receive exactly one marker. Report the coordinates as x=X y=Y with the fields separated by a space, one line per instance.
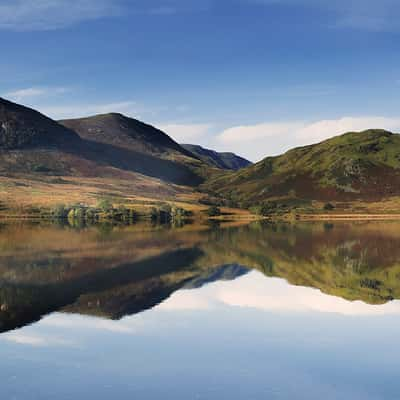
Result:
x=348 y=217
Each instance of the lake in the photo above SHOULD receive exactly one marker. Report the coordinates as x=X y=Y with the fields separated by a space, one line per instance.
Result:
x=262 y=311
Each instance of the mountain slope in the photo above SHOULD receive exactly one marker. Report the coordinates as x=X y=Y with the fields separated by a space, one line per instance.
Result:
x=121 y=131
x=357 y=165
x=22 y=127
x=104 y=146
x=132 y=144
x=219 y=160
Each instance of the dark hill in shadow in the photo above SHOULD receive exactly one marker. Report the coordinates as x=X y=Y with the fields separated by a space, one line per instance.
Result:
x=33 y=143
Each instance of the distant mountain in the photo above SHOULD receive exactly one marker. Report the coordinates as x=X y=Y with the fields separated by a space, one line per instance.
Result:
x=219 y=160
x=357 y=165
x=108 y=145
x=228 y=272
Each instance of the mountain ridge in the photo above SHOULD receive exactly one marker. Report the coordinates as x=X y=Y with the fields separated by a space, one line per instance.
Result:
x=223 y=160
x=356 y=165
x=22 y=127
x=122 y=131
x=116 y=146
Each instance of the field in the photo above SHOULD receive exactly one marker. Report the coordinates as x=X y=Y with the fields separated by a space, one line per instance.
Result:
x=19 y=196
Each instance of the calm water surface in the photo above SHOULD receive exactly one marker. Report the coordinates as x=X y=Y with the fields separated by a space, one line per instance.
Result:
x=305 y=311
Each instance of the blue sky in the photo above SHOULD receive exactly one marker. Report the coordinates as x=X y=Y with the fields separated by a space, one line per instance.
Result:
x=251 y=76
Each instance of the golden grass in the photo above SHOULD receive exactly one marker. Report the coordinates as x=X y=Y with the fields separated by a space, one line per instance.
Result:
x=19 y=195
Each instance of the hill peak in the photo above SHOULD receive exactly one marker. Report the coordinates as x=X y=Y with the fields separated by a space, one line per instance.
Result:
x=368 y=134
x=122 y=131
x=355 y=165
x=220 y=160
x=21 y=127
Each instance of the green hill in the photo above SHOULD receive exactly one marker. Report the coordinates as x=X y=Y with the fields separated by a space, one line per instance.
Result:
x=355 y=166
x=218 y=160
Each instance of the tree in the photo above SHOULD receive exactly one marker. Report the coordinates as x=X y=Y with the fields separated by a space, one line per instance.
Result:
x=268 y=208
x=60 y=211
x=329 y=207
x=214 y=211
x=105 y=205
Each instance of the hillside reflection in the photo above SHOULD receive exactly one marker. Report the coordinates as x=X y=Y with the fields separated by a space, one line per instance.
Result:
x=115 y=272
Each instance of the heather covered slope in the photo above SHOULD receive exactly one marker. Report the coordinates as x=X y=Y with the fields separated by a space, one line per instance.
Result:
x=355 y=166
x=128 y=133
x=218 y=160
x=22 y=127
x=31 y=143
x=140 y=147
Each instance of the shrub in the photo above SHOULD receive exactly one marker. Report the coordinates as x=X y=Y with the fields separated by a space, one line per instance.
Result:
x=214 y=211
x=154 y=214
x=329 y=207
x=255 y=210
x=105 y=205
x=179 y=214
x=268 y=208
x=91 y=215
x=60 y=211
x=80 y=213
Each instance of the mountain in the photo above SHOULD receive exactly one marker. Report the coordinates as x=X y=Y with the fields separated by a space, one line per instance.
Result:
x=219 y=160
x=134 y=145
x=22 y=127
x=128 y=133
x=354 y=166
x=102 y=146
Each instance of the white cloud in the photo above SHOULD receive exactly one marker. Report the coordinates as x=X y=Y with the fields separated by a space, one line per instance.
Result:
x=35 y=340
x=38 y=99
x=261 y=140
x=24 y=15
x=186 y=133
x=258 y=131
x=270 y=294
x=129 y=108
x=324 y=129
x=186 y=300
x=34 y=92
x=274 y=294
x=72 y=321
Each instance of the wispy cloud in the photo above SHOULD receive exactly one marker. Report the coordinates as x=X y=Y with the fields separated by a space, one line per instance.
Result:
x=70 y=321
x=36 y=340
x=324 y=129
x=244 y=133
x=186 y=133
x=77 y=110
x=52 y=102
x=271 y=295
x=271 y=138
x=368 y=15
x=22 y=15
x=34 y=92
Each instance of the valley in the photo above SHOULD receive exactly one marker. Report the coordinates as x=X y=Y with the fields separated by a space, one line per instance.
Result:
x=45 y=163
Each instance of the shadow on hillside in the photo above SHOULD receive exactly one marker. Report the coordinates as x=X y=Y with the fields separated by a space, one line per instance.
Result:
x=129 y=160
x=27 y=304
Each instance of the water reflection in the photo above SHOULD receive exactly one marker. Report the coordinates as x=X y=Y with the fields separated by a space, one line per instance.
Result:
x=346 y=268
